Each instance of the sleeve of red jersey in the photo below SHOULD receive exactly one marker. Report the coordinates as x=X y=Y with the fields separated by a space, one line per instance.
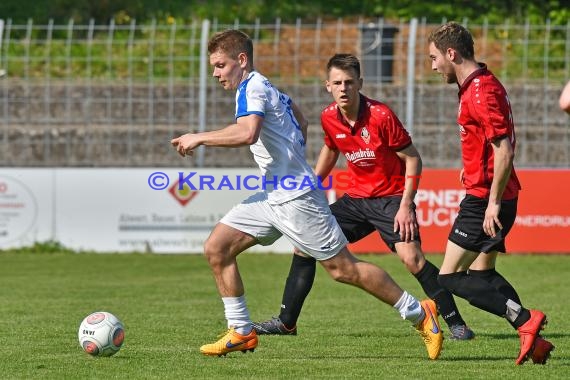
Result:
x=392 y=130
x=493 y=110
x=329 y=141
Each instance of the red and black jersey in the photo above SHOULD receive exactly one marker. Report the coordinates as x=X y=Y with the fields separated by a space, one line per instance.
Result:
x=484 y=115
x=369 y=147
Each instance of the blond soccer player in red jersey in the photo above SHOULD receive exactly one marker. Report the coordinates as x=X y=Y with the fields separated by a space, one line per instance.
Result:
x=488 y=211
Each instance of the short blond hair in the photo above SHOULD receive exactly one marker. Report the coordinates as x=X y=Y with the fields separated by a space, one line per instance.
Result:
x=232 y=42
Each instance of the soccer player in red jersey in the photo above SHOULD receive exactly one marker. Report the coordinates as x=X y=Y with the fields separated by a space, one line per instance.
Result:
x=384 y=169
x=488 y=211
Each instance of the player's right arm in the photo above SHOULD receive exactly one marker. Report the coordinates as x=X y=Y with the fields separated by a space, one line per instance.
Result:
x=326 y=161
x=244 y=132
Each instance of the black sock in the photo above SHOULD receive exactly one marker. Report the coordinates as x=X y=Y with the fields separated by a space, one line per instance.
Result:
x=501 y=284
x=427 y=277
x=298 y=285
x=522 y=318
x=477 y=291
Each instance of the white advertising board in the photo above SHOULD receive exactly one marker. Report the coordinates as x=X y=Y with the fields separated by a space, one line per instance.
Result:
x=146 y=209
x=122 y=210
x=26 y=206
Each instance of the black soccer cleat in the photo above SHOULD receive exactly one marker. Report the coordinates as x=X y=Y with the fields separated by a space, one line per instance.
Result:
x=274 y=326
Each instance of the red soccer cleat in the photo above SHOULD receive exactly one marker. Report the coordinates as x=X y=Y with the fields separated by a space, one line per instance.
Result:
x=541 y=351
x=528 y=334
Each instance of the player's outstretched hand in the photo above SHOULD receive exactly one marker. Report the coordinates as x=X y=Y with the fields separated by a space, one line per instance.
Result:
x=184 y=144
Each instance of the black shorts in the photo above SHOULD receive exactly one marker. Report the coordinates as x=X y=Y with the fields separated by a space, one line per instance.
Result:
x=467 y=231
x=358 y=217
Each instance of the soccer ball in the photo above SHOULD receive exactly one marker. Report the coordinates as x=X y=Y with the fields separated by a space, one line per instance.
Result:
x=101 y=334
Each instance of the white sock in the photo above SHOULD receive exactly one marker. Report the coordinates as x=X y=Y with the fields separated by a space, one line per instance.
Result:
x=237 y=314
x=410 y=308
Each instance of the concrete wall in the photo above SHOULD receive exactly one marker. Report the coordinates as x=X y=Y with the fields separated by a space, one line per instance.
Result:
x=71 y=124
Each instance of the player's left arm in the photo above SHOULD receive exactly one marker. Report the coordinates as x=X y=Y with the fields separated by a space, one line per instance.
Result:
x=326 y=161
x=244 y=132
x=405 y=221
x=504 y=155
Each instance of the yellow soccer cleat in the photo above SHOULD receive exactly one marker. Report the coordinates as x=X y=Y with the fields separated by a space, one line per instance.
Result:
x=430 y=330
x=229 y=342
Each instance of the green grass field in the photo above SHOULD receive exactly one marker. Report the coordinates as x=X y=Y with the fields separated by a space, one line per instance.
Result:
x=170 y=307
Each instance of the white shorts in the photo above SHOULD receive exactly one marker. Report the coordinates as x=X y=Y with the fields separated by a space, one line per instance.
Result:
x=305 y=221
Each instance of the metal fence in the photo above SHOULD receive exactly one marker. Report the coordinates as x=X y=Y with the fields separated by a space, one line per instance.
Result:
x=114 y=95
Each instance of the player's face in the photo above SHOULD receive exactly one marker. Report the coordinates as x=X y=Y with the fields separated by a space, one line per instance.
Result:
x=344 y=86
x=442 y=64
x=228 y=71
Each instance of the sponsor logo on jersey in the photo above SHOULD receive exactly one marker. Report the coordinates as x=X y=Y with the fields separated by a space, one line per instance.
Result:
x=365 y=135
x=360 y=155
x=340 y=136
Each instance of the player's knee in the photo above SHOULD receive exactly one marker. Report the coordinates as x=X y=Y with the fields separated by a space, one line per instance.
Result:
x=345 y=278
x=411 y=256
x=213 y=252
x=342 y=267
x=412 y=263
x=344 y=274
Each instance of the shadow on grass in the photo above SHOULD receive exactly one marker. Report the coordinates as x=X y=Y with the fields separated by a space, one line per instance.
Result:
x=383 y=356
x=504 y=336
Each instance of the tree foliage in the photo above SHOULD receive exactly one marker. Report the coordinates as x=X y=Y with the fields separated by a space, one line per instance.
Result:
x=226 y=11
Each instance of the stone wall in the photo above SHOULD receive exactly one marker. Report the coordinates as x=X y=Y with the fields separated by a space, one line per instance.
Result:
x=71 y=124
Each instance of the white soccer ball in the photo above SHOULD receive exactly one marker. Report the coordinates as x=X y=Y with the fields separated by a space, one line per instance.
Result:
x=101 y=334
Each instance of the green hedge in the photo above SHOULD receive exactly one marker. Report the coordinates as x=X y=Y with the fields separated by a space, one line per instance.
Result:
x=81 y=11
